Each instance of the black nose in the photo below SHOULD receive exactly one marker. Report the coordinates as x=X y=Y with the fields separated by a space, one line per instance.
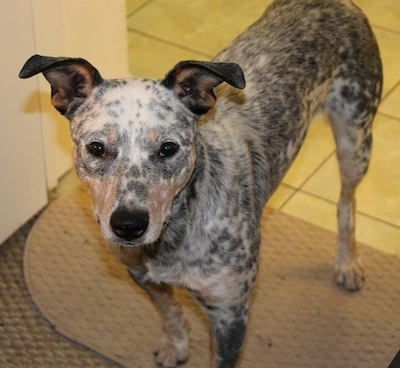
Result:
x=129 y=225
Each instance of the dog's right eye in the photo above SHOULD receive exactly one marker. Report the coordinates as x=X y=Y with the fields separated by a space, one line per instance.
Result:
x=168 y=149
x=96 y=149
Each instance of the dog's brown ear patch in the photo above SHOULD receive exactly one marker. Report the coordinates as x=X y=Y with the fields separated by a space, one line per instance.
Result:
x=193 y=82
x=71 y=80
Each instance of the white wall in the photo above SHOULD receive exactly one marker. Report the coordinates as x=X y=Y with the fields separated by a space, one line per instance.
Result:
x=22 y=169
x=35 y=148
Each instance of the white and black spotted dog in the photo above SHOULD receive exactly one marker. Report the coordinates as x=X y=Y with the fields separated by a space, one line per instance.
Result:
x=180 y=169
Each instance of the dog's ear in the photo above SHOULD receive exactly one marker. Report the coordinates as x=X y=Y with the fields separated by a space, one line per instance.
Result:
x=193 y=82
x=71 y=80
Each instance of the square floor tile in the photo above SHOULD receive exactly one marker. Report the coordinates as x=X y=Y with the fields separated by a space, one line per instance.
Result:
x=384 y=13
x=151 y=58
x=389 y=45
x=318 y=146
x=379 y=194
x=391 y=104
x=132 y=5
x=312 y=209
x=280 y=197
x=202 y=25
x=377 y=234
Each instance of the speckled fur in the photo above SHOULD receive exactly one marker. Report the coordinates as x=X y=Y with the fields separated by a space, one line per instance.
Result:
x=204 y=203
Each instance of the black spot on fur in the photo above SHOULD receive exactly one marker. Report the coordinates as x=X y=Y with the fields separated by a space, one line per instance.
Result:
x=230 y=339
x=134 y=172
x=138 y=188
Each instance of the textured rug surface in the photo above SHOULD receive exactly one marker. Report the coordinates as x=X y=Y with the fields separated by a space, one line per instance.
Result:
x=299 y=318
x=27 y=339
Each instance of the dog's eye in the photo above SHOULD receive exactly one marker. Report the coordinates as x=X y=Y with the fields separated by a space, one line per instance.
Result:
x=96 y=149
x=168 y=149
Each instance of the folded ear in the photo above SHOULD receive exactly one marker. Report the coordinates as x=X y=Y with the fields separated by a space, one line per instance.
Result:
x=71 y=80
x=193 y=82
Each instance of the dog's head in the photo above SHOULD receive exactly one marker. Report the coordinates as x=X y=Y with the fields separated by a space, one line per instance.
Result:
x=133 y=138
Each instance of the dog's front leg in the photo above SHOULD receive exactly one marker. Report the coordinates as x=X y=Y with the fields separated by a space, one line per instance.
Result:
x=174 y=342
x=227 y=338
x=228 y=329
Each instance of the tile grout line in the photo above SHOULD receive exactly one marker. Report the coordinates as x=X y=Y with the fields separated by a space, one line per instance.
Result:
x=371 y=217
x=317 y=169
x=169 y=43
x=140 y=7
x=285 y=202
x=385 y=29
x=300 y=187
x=389 y=116
x=387 y=95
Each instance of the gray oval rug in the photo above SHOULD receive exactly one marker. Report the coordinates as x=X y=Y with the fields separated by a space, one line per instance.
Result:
x=299 y=318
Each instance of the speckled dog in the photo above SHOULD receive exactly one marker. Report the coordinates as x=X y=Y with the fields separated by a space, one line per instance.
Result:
x=180 y=169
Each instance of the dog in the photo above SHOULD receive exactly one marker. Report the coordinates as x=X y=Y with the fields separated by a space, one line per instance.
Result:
x=180 y=169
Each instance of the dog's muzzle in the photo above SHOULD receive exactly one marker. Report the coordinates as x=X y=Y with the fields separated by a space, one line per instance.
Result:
x=129 y=225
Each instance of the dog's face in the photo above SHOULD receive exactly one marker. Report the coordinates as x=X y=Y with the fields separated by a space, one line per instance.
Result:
x=134 y=150
x=134 y=139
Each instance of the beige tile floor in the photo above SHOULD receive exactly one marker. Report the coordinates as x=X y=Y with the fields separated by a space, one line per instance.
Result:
x=163 y=32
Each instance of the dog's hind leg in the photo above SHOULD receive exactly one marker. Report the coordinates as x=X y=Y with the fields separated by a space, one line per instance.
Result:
x=351 y=109
x=353 y=164
x=174 y=342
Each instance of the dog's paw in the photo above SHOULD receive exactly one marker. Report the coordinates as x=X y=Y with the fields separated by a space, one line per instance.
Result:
x=173 y=349
x=350 y=275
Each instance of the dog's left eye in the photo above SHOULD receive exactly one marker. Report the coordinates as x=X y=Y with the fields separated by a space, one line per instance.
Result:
x=96 y=149
x=168 y=149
